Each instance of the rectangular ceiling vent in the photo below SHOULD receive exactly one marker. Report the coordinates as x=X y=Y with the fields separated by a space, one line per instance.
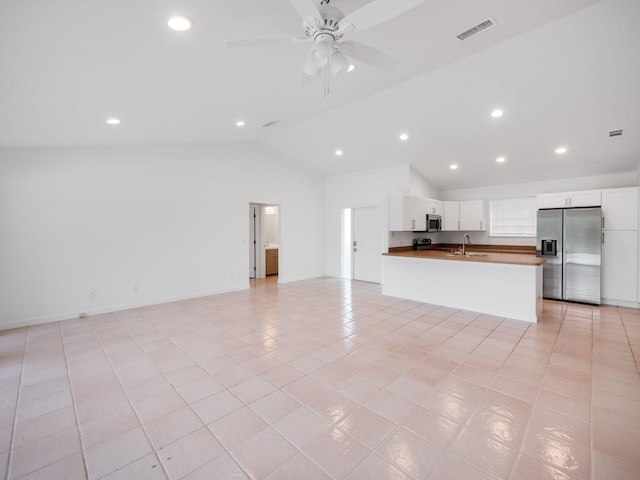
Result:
x=477 y=29
x=615 y=133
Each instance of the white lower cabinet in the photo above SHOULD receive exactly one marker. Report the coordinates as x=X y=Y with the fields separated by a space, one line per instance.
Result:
x=620 y=267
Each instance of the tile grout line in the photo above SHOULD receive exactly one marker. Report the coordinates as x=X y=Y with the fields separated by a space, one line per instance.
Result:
x=178 y=392
x=115 y=372
x=15 y=415
x=535 y=402
x=550 y=346
x=73 y=403
x=626 y=333
x=592 y=460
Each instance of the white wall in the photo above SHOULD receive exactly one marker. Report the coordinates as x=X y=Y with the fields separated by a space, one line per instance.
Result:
x=420 y=186
x=362 y=189
x=170 y=219
x=272 y=227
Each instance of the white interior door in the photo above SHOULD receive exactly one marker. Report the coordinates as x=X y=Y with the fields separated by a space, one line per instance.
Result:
x=367 y=244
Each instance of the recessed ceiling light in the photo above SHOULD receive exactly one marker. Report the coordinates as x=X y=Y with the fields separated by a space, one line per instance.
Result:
x=501 y=159
x=179 y=23
x=561 y=150
x=497 y=113
x=338 y=152
x=240 y=123
x=113 y=121
x=404 y=136
x=453 y=166
x=351 y=68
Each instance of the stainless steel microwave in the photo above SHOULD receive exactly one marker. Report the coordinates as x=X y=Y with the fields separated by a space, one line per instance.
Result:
x=434 y=223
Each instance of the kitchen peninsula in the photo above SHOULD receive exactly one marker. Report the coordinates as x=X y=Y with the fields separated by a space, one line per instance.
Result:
x=502 y=284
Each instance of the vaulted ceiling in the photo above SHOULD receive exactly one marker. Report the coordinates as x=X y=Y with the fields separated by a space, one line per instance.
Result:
x=565 y=73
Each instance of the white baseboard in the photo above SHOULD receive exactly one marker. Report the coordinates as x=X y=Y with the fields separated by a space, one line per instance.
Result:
x=29 y=322
x=298 y=279
x=619 y=303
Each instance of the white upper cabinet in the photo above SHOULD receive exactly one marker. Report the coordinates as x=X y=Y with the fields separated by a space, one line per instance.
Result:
x=620 y=208
x=451 y=217
x=407 y=213
x=466 y=215
x=585 y=198
x=472 y=215
x=551 y=200
x=435 y=207
x=416 y=214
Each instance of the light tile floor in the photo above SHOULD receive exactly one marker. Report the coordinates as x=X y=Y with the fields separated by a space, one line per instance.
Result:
x=322 y=379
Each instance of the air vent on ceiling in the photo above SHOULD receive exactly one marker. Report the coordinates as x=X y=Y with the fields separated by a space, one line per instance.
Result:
x=271 y=124
x=477 y=29
x=615 y=133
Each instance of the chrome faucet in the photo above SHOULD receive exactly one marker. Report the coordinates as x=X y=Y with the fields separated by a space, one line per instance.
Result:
x=466 y=240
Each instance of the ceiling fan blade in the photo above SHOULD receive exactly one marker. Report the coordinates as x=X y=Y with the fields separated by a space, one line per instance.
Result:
x=368 y=55
x=377 y=12
x=265 y=41
x=306 y=8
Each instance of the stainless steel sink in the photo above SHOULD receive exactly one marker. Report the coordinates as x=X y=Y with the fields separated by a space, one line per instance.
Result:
x=458 y=253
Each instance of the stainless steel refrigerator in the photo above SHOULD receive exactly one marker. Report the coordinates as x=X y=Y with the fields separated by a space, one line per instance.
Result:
x=571 y=241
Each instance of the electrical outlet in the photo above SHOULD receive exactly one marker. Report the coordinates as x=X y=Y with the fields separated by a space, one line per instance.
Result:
x=93 y=293
x=134 y=288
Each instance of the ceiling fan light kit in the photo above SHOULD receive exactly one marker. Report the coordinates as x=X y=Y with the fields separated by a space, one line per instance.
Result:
x=326 y=26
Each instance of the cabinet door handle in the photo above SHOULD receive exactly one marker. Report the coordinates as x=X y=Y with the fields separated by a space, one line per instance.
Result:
x=603 y=222
x=413 y=224
x=458 y=224
x=603 y=237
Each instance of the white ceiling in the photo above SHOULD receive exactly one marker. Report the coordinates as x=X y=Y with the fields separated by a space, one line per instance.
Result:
x=564 y=71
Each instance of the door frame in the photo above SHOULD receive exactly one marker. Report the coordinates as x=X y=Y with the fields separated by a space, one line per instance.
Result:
x=259 y=235
x=380 y=231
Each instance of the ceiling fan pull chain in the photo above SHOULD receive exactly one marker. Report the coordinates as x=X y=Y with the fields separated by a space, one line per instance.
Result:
x=325 y=75
x=326 y=79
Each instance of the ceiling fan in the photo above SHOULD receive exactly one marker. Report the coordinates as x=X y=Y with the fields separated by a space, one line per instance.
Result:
x=326 y=27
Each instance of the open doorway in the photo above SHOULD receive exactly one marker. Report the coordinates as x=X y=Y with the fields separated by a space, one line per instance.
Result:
x=264 y=240
x=362 y=244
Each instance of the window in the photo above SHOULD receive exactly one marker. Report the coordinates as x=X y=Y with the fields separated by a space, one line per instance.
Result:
x=512 y=217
